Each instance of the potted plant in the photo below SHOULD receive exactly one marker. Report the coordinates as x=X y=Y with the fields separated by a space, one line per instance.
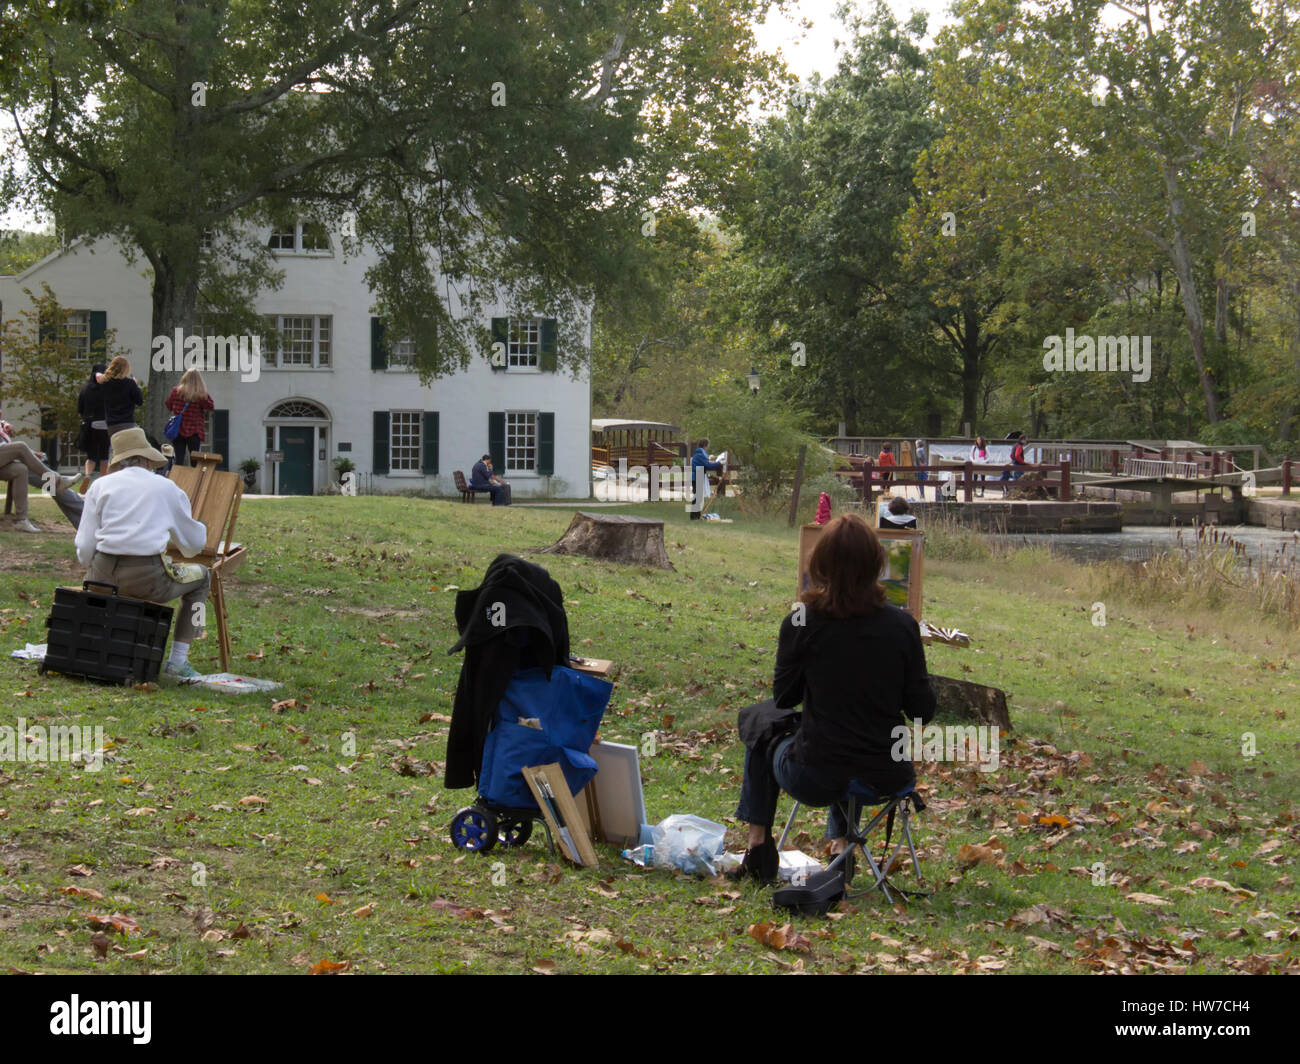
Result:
x=250 y=466
x=343 y=466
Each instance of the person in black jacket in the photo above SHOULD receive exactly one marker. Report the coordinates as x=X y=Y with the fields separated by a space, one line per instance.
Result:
x=93 y=440
x=514 y=620
x=857 y=666
x=121 y=394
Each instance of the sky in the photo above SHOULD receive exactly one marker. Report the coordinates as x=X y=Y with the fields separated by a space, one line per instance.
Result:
x=806 y=50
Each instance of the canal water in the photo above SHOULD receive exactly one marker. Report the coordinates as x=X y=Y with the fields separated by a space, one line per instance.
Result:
x=1141 y=543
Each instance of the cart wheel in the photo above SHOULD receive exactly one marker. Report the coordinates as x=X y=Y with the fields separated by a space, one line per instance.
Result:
x=514 y=832
x=474 y=828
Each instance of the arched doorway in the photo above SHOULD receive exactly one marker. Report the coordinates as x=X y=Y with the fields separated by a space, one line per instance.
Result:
x=298 y=429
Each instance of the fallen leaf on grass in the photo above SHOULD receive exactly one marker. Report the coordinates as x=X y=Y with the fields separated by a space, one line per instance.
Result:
x=364 y=910
x=462 y=912
x=283 y=704
x=84 y=892
x=544 y=967
x=144 y=810
x=78 y=870
x=1147 y=899
x=440 y=718
x=969 y=856
x=326 y=967
x=1055 y=820
x=253 y=799
x=1208 y=883
x=117 y=922
x=100 y=942
x=783 y=937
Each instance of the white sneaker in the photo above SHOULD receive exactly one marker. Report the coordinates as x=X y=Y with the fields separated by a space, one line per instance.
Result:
x=62 y=484
x=26 y=526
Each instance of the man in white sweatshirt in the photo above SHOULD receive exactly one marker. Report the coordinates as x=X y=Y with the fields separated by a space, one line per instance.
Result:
x=129 y=517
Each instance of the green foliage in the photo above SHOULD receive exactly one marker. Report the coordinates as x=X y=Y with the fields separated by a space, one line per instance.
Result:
x=43 y=368
x=761 y=433
x=20 y=249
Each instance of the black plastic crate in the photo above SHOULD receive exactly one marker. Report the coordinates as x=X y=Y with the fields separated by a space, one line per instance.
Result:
x=106 y=636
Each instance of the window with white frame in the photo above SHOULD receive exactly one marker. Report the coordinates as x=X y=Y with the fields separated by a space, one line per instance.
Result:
x=76 y=333
x=303 y=341
x=302 y=237
x=521 y=442
x=402 y=355
x=525 y=342
x=404 y=441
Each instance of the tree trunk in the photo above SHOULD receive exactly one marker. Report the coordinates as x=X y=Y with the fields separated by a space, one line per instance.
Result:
x=974 y=701
x=614 y=538
x=175 y=295
x=971 y=367
x=1182 y=257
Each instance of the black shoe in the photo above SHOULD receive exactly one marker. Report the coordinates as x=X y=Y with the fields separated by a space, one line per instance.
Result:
x=761 y=863
x=822 y=891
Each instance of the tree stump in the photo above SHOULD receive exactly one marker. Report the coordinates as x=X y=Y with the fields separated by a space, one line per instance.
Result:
x=988 y=705
x=614 y=538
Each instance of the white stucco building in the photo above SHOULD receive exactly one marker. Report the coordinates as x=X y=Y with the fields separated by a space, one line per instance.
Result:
x=330 y=388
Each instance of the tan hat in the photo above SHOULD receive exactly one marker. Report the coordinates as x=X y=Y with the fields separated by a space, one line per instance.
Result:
x=132 y=443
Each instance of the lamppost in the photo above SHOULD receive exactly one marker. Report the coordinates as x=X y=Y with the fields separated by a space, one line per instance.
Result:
x=753 y=378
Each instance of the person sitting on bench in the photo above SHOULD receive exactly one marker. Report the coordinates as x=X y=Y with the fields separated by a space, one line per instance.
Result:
x=482 y=478
x=857 y=666
x=22 y=468
x=898 y=514
x=129 y=517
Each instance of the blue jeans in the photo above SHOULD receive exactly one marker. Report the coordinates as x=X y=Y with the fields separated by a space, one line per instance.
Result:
x=763 y=782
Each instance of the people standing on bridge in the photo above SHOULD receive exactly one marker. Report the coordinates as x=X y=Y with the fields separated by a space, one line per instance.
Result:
x=921 y=475
x=1017 y=459
x=979 y=455
x=884 y=459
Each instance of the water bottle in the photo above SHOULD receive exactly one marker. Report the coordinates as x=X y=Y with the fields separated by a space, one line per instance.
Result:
x=643 y=855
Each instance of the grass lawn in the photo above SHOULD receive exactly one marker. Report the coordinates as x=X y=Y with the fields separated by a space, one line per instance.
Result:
x=1124 y=831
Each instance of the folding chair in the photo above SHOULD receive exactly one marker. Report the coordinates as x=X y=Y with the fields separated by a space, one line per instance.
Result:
x=900 y=805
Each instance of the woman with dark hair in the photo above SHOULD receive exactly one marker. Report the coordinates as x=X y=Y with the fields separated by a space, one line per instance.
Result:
x=93 y=439
x=857 y=666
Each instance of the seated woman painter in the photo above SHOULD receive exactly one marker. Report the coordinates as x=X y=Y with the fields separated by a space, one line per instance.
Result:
x=857 y=666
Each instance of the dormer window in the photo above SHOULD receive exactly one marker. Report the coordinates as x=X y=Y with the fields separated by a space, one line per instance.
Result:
x=302 y=238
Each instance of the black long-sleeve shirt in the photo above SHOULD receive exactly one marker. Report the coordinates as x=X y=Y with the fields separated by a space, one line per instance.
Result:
x=120 y=397
x=857 y=679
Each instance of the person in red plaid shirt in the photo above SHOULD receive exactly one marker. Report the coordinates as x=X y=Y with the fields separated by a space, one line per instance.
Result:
x=191 y=390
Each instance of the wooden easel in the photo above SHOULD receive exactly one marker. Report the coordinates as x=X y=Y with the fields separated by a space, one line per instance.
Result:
x=214 y=500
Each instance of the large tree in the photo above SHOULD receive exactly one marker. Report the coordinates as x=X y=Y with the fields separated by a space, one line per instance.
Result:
x=505 y=149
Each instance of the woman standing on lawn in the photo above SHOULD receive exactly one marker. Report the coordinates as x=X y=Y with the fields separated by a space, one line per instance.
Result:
x=93 y=440
x=121 y=395
x=190 y=399
x=857 y=666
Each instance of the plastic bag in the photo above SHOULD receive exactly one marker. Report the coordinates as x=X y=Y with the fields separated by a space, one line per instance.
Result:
x=688 y=843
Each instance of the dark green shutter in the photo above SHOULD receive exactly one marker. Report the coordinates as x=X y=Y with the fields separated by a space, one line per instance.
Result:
x=98 y=326
x=50 y=438
x=378 y=352
x=549 y=357
x=221 y=437
x=379 y=465
x=500 y=335
x=497 y=440
x=431 y=441
x=545 y=444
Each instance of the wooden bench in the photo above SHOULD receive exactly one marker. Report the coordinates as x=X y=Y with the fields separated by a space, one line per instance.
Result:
x=466 y=492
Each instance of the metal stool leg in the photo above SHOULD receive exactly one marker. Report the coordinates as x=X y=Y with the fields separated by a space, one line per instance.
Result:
x=788 y=824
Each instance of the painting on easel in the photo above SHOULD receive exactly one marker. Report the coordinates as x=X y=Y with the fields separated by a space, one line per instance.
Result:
x=904 y=557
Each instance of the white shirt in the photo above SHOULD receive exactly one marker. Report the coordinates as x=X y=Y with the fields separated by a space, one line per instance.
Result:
x=134 y=511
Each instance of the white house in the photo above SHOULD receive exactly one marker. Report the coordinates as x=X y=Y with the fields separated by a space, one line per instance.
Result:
x=330 y=388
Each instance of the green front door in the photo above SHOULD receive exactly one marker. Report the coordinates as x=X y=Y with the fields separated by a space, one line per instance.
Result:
x=298 y=442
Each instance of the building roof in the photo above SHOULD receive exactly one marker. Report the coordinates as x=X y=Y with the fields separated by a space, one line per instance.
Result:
x=607 y=424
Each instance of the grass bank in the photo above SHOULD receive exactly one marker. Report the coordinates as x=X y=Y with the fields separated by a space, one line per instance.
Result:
x=1125 y=830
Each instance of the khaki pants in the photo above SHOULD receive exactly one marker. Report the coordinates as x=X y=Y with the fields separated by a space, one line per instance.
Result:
x=147 y=578
x=16 y=475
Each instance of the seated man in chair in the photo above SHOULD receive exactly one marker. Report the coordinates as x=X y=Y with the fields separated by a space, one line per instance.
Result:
x=23 y=468
x=129 y=517
x=857 y=666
